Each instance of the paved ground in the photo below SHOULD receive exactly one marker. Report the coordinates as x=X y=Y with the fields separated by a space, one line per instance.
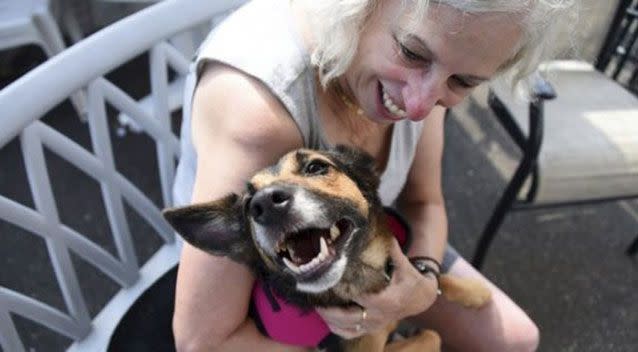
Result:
x=565 y=267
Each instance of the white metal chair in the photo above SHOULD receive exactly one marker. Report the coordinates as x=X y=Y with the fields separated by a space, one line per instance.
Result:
x=187 y=43
x=25 y=22
x=26 y=100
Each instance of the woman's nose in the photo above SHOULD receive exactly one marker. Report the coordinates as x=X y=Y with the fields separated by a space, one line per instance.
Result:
x=422 y=94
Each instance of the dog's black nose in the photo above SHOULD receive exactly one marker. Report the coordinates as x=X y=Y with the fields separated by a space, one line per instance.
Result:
x=270 y=204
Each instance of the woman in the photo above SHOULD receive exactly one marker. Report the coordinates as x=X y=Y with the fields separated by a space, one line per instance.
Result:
x=375 y=74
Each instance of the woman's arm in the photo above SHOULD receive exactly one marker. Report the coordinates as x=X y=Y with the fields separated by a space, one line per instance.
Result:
x=422 y=203
x=238 y=127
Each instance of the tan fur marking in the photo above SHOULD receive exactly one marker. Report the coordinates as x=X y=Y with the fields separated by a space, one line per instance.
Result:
x=371 y=342
x=376 y=253
x=266 y=177
x=469 y=293
x=425 y=341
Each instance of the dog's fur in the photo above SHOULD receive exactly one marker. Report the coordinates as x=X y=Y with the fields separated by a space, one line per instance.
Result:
x=286 y=208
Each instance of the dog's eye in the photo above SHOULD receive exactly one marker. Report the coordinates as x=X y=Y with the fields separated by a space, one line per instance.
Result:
x=316 y=167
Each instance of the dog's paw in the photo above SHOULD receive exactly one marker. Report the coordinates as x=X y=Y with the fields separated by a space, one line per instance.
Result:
x=429 y=340
x=469 y=293
x=424 y=341
x=479 y=297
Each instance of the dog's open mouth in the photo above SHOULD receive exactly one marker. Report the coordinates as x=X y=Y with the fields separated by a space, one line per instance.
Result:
x=312 y=250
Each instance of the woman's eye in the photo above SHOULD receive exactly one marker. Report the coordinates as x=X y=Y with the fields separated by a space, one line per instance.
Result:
x=316 y=167
x=463 y=84
x=409 y=54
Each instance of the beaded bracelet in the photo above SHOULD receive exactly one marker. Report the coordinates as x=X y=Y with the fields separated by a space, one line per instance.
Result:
x=424 y=266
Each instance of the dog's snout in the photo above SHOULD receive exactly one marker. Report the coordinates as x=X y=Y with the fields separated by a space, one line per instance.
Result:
x=270 y=205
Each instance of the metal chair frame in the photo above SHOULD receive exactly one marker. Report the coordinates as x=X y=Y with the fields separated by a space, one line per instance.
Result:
x=28 y=99
x=619 y=52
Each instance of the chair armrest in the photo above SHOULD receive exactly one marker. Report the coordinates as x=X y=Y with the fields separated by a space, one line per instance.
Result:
x=505 y=117
x=541 y=89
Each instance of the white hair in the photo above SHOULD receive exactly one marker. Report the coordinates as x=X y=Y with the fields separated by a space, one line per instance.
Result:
x=337 y=25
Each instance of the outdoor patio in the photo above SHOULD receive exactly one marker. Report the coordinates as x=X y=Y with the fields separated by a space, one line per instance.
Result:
x=565 y=266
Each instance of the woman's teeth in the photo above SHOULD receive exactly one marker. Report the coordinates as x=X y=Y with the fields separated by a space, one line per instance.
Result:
x=392 y=107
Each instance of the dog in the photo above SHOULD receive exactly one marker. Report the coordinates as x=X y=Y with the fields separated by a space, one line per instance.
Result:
x=313 y=230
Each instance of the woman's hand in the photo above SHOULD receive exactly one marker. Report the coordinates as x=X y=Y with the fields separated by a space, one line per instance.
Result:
x=407 y=294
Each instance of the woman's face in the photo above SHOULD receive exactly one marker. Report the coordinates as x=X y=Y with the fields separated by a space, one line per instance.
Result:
x=403 y=70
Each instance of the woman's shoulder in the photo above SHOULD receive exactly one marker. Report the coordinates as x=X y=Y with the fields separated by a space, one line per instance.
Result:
x=231 y=103
x=260 y=39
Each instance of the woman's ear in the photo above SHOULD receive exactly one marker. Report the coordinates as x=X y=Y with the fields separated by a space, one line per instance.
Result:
x=217 y=227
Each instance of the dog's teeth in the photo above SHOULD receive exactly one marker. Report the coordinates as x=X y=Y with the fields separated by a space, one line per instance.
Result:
x=334 y=232
x=322 y=255
x=324 y=248
x=307 y=267
x=291 y=251
x=311 y=264
x=291 y=265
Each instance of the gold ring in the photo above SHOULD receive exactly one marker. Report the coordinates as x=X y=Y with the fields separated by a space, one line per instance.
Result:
x=364 y=314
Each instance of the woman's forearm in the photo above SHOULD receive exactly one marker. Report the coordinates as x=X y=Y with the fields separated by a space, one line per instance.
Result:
x=248 y=338
x=429 y=229
x=245 y=338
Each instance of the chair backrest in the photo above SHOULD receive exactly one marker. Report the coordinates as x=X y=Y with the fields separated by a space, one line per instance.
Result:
x=619 y=59
x=22 y=127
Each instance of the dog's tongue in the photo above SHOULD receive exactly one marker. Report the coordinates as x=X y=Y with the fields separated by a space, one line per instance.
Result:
x=304 y=246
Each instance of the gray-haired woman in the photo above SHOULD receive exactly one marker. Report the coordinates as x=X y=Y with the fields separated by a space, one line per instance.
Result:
x=375 y=74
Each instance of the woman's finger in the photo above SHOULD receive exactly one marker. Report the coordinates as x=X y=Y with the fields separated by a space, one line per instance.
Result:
x=350 y=333
x=351 y=320
x=341 y=317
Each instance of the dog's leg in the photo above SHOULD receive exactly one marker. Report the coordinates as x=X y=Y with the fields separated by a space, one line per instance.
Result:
x=371 y=342
x=425 y=341
x=470 y=293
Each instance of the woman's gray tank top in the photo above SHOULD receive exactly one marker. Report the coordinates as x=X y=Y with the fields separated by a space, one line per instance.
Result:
x=260 y=40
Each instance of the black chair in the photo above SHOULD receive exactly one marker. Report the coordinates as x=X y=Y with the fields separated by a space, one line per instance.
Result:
x=578 y=134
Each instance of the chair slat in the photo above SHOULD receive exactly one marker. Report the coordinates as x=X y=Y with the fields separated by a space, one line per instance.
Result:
x=35 y=223
x=102 y=147
x=41 y=190
x=42 y=313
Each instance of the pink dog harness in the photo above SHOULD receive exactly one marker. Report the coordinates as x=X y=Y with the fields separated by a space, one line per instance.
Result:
x=289 y=324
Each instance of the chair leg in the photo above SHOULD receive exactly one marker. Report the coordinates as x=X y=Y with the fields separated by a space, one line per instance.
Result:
x=50 y=33
x=633 y=248
x=524 y=169
x=53 y=44
x=71 y=25
x=497 y=217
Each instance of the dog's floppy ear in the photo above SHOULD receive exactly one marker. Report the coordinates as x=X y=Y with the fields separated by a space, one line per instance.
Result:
x=217 y=227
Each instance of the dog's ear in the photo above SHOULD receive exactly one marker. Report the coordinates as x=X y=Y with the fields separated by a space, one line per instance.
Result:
x=217 y=227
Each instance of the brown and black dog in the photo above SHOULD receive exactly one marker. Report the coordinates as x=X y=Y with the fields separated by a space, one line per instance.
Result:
x=313 y=226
